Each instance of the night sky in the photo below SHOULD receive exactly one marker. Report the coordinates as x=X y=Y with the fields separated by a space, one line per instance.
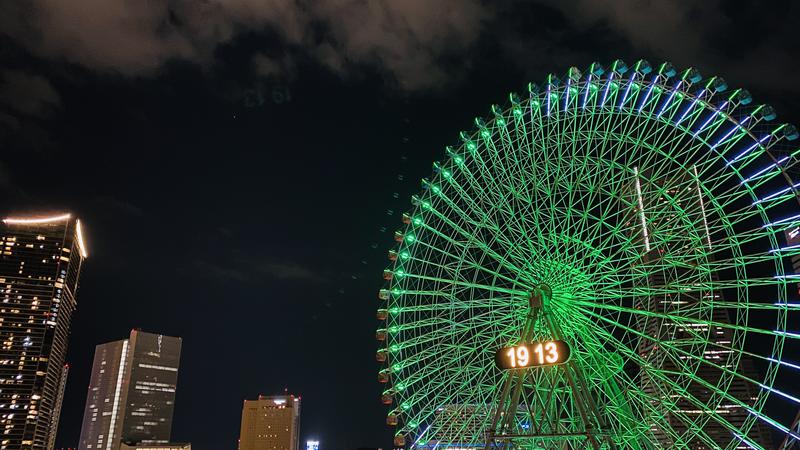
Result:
x=240 y=165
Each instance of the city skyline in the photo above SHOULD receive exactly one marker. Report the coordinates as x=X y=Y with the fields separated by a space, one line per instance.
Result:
x=131 y=395
x=239 y=169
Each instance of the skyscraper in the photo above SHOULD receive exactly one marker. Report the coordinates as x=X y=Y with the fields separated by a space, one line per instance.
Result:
x=40 y=264
x=132 y=392
x=270 y=423
x=657 y=218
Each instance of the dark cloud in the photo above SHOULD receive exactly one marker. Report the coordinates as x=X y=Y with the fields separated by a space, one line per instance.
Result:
x=723 y=37
x=405 y=39
x=27 y=94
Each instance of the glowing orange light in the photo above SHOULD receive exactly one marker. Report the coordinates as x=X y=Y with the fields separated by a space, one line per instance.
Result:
x=81 y=245
x=34 y=220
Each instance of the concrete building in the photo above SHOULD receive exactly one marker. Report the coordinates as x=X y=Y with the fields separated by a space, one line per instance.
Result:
x=132 y=392
x=270 y=423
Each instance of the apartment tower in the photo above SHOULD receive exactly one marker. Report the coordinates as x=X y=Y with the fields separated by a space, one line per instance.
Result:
x=40 y=264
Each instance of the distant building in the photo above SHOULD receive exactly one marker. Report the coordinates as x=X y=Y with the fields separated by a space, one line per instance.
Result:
x=270 y=423
x=169 y=446
x=312 y=445
x=40 y=264
x=132 y=392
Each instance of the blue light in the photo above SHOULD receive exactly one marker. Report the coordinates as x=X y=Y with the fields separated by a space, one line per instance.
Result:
x=548 y=100
x=566 y=96
x=775 y=194
x=713 y=115
x=787 y=219
x=586 y=91
x=669 y=99
x=608 y=86
x=749 y=149
x=628 y=89
x=784 y=363
x=775 y=250
x=786 y=333
x=690 y=107
x=727 y=135
x=765 y=169
x=647 y=95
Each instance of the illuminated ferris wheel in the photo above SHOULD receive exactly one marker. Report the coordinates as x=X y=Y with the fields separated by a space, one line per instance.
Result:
x=606 y=262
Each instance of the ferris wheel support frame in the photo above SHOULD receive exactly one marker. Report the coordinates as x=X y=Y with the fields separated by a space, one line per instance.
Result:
x=504 y=418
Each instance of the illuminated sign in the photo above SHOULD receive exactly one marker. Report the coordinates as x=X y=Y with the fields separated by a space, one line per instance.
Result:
x=534 y=354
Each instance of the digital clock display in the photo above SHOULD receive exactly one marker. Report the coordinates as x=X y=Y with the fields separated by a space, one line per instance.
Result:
x=534 y=354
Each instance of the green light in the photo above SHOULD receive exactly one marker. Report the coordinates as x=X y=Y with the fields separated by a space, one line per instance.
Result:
x=616 y=204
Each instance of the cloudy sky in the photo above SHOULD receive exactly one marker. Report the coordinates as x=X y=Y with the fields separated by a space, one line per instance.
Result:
x=240 y=164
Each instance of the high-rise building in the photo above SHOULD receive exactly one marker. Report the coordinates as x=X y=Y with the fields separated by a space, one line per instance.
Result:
x=171 y=446
x=132 y=392
x=270 y=423
x=676 y=412
x=40 y=264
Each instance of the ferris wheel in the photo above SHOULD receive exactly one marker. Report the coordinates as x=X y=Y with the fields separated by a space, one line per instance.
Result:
x=605 y=262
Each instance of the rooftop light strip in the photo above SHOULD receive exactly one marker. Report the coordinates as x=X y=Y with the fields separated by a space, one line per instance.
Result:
x=566 y=94
x=81 y=243
x=36 y=220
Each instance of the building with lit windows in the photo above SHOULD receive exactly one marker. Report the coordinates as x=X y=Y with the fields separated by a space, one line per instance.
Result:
x=40 y=264
x=693 y=376
x=270 y=423
x=131 y=392
x=174 y=446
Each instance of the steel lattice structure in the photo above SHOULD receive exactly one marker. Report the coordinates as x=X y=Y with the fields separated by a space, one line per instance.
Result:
x=655 y=205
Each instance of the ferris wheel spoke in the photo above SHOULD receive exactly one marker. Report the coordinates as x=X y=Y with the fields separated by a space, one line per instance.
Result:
x=681 y=390
x=700 y=359
x=643 y=198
